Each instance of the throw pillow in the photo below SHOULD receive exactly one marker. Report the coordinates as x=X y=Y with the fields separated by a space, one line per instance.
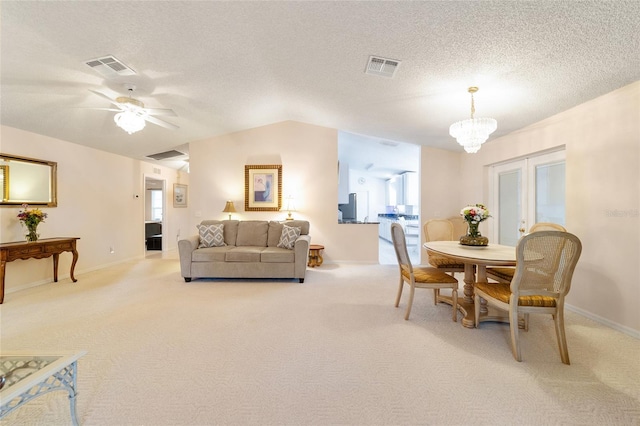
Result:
x=211 y=235
x=288 y=237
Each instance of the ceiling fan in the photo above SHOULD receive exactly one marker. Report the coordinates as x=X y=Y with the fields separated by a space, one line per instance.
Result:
x=132 y=114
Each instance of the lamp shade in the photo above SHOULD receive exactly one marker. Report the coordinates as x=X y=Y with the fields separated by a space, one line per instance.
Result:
x=229 y=207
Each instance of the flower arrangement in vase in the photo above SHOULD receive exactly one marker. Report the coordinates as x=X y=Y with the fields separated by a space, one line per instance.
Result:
x=31 y=219
x=473 y=215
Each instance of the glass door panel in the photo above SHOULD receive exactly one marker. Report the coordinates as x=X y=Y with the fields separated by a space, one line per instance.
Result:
x=525 y=192
x=549 y=188
x=510 y=203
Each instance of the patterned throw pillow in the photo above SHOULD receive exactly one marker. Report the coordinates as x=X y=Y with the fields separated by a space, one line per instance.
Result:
x=288 y=237
x=211 y=235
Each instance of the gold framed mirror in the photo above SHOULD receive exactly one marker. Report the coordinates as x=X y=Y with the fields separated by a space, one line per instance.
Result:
x=28 y=181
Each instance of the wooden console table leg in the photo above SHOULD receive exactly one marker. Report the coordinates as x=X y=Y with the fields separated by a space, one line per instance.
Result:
x=56 y=258
x=73 y=263
x=3 y=263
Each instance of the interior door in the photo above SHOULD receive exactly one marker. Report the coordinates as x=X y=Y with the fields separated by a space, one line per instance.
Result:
x=527 y=191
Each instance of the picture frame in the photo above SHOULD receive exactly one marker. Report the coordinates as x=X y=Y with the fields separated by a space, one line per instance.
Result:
x=180 y=195
x=4 y=182
x=263 y=187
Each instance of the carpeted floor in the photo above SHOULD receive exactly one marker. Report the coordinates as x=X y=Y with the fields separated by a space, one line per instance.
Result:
x=331 y=351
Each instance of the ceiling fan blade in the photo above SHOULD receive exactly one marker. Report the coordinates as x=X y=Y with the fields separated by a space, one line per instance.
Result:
x=160 y=111
x=103 y=109
x=106 y=97
x=161 y=123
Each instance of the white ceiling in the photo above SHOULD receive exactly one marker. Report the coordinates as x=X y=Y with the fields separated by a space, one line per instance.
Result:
x=228 y=66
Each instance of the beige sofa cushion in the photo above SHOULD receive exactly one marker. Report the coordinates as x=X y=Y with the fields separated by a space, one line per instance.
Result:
x=277 y=255
x=244 y=254
x=210 y=254
x=252 y=233
x=275 y=231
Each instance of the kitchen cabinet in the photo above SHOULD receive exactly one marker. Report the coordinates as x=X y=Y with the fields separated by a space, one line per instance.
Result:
x=403 y=190
x=410 y=189
x=411 y=227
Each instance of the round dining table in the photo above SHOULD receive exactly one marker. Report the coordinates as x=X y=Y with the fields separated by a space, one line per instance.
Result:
x=475 y=260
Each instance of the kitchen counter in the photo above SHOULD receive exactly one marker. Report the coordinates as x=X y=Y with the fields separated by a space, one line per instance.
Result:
x=398 y=216
x=353 y=222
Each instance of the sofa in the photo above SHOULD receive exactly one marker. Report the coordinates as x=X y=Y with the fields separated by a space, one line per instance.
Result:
x=246 y=249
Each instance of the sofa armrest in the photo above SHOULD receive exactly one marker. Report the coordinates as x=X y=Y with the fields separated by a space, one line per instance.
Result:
x=185 y=249
x=301 y=249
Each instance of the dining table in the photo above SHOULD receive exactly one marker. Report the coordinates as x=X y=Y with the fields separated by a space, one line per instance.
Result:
x=475 y=260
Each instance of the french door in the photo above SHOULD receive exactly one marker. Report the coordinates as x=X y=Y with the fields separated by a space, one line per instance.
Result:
x=527 y=191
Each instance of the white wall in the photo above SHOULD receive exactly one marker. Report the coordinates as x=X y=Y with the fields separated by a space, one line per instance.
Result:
x=309 y=158
x=95 y=202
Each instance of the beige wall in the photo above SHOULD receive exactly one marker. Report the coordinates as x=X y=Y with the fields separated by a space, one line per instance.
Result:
x=309 y=158
x=602 y=139
x=95 y=202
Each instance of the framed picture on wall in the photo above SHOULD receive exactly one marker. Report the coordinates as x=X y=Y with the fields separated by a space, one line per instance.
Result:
x=262 y=188
x=179 y=195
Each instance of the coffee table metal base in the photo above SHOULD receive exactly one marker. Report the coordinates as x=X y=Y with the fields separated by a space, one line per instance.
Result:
x=40 y=375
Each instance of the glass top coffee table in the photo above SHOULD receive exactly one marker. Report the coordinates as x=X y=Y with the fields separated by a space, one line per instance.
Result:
x=25 y=376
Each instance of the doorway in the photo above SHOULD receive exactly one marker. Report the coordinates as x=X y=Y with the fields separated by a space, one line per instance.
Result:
x=527 y=191
x=154 y=209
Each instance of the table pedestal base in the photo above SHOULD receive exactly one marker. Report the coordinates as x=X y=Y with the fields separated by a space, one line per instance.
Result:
x=467 y=309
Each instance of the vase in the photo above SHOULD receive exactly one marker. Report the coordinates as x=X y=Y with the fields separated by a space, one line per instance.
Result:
x=473 y=237
x=32 y=235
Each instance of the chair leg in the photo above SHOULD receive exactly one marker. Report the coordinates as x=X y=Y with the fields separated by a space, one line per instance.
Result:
x=560 y=334
x=476 y=309
x=526 y=322
x=513 y=326
x=410 y=302
x=454 y=298
x=399 y=292
x=436 y=295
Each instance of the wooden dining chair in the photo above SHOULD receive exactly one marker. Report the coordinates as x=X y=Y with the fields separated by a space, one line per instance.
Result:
x=441 y=230
x=505 y=274
x=545 y=261
x=420 y=276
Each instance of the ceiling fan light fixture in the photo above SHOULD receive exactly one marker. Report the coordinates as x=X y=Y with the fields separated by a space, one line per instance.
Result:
x=129 y=121
x=472 y=133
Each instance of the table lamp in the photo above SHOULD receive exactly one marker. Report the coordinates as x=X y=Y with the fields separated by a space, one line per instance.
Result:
x=289 y=206
x=229 y=208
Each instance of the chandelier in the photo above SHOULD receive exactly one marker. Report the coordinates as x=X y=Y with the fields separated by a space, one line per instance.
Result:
x=129 y=121
x=473 y=132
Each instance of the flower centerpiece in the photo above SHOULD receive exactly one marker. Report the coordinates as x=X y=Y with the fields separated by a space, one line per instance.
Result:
x=31 y=219
x=473 y=215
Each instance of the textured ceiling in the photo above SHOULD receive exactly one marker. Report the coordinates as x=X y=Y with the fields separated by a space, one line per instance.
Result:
x=228 y=66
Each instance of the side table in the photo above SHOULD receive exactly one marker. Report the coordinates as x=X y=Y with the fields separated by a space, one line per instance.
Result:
x=315 y=255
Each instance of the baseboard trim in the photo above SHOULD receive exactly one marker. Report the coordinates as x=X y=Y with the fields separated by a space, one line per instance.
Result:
x=611 y=324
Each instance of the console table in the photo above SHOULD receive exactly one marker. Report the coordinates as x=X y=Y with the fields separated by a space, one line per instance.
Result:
x=40 y=249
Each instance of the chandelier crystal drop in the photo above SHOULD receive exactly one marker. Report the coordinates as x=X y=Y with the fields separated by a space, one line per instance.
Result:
x=129 y=121
x=472 y=133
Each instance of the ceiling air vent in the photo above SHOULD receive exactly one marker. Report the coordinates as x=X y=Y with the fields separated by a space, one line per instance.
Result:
x=382 y=67
x=110 y=67
x=165 y=155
